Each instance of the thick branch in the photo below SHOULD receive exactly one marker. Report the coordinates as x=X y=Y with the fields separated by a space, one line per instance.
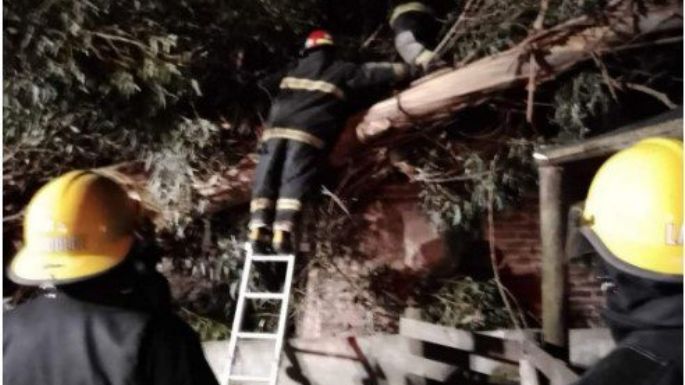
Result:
x=555 y=50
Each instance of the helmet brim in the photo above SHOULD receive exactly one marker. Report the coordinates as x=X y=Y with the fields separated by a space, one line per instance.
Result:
x=590 y=242
x=33 y=268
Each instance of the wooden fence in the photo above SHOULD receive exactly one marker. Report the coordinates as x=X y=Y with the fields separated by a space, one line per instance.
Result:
x=439 y=354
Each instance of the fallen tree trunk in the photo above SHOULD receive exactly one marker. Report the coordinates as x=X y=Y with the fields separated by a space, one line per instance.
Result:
x=553 y=51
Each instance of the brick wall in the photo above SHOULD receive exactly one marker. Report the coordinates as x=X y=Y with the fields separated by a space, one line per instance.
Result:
x=517 y=246
x=517 y=240
x=586 y=298
x=339 y=299
x=399 y=236
x=331 y=305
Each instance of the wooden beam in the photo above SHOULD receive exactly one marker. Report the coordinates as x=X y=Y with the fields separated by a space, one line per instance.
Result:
x=424 y=331
x=554 y=369
x=423 y=367
x=486 y=365
x=483 y=345
x=527 y=373
x=480 y=353
x=441 y=371
x=669 y=125
x=553 y=256
x=415 y=347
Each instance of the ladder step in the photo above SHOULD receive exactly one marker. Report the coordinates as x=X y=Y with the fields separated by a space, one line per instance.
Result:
x=257 y=295
x=241 y=377
x=271 y=258
x=258 y=336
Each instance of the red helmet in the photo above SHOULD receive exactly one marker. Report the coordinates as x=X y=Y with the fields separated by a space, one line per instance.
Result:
x=318 y=38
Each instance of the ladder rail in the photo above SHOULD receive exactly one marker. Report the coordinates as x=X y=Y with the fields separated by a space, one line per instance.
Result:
x=238 y=316
x=282 y=319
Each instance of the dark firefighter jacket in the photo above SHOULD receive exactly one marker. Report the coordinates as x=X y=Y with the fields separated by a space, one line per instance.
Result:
x=315 y=96
x=646 y=320
x=85 y=335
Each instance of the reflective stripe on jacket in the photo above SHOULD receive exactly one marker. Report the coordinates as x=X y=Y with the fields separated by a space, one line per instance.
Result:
x=314 y=96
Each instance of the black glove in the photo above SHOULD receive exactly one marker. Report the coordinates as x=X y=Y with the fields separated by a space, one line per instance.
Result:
x=415 y=72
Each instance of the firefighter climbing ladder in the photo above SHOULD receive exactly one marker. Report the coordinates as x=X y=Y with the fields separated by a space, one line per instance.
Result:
x=277 y=337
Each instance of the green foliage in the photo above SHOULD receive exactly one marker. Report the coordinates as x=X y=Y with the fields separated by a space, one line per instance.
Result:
x=468 y=304
x=493 y=26
x=93 y=83
x=207 y=328
x=183 y=156
x=582 y=98
x=496 y=26
x=82 y=89
x=457 y=183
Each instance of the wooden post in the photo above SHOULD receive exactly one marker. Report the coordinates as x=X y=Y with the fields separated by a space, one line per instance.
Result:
x=415 y=347
x=527 y=373
x=553 y=257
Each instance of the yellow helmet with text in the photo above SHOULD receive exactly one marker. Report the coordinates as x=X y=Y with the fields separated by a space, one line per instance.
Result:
x=633 y=214
x=77 y=226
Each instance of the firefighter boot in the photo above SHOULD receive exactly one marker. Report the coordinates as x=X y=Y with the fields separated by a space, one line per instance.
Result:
x=260 y=240
x=283 y=242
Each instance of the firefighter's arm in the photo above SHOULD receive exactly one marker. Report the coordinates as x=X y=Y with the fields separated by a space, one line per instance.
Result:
x=270 y=83
x=412 y=50
x=379 y=74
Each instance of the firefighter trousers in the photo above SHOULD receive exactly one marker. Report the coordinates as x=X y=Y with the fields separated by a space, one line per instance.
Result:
x=285 y=175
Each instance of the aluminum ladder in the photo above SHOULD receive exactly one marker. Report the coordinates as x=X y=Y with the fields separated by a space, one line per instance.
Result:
x=236 y=331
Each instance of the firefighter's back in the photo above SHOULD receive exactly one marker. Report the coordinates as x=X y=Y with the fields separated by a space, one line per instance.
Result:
x=313 y=96
x=60 y=341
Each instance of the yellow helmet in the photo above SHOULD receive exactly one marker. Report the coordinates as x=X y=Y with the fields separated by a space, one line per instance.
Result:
x=77 y=226
x=633 y=214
